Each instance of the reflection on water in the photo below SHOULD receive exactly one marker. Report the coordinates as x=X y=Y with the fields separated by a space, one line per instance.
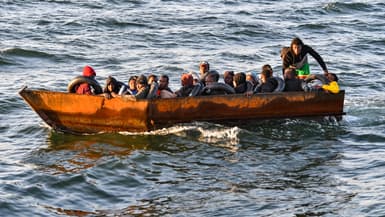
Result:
x=71 y=153
x=68 y=153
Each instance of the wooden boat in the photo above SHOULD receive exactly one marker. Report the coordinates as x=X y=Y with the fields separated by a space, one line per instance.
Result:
x=69 y=112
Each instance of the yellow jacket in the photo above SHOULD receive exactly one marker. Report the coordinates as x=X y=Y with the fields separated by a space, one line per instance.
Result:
x=331 y=87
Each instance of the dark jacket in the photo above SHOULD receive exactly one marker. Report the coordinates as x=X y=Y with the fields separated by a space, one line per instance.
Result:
x=291 y=59
x=268 y=86
x=184 y=91
x=294 y=84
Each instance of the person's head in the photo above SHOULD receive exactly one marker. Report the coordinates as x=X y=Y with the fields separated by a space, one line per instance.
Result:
x=195 y=77
x=214 y=74
x=163 y=82
x=239 y=78
x=268 y=67
x=132 y=82
x=265 y=74
x=204 y=67
x=296 y=46
x=332 y=77
x=289 y=74
x=211 y=78
x=141 y=82
x=284 y=51
x=186 y=80
x=228 y=77
x=152 y=78
x=252 y=77
x=111 y=84
x=88 y=71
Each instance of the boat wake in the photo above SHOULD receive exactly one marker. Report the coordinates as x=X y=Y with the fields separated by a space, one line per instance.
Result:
x=222 y=136
x=214 y=134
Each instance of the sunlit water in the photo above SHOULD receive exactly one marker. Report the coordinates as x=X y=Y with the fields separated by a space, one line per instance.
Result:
x=265 y=168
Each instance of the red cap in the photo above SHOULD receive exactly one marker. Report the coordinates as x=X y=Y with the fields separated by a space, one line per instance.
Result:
x=88 y=71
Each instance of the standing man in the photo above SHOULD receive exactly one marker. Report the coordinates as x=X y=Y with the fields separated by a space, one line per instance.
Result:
x=296 y=58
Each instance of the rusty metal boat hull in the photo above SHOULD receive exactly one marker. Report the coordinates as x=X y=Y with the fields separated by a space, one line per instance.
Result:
x=73 y=113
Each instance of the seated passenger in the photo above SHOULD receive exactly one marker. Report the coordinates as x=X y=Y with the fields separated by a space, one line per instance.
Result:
x=187 y=85
x=131 y=90
x=268 y=83
x=164 y=90
x=239 y=82
x=204 y=68
x=112 y=88
x=153 y=84
x=292 y=83
x=152 y=78
x=213 y=87
x=211 y=78
x=142 y=87
x=252 y=78
x=85 y=88
x=268 y=67
x=195 y=76
x=228 y=78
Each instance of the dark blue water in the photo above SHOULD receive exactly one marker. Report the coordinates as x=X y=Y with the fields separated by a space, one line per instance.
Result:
x=266 y=168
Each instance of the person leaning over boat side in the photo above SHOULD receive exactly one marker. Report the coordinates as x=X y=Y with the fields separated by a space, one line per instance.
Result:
x=296 y=57
x=330 y=82
x=228 y=77
x=187 y=85
x=333 y=86
x=268 y=83
x=292 y=83
x=164 y=91
x=85 y=88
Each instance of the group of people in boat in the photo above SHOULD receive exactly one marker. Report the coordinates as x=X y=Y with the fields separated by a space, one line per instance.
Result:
x=295 y=69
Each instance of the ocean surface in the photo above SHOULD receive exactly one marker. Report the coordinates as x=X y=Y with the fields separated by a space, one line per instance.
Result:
x=289 y=167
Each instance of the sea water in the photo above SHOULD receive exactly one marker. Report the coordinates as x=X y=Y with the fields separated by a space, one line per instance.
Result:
x=288 y=167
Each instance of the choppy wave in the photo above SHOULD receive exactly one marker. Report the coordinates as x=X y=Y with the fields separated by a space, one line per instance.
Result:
x=13 y=53
x=5 y=61
x=350 y=7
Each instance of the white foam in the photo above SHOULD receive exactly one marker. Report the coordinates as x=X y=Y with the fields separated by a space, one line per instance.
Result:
x=221 y=136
